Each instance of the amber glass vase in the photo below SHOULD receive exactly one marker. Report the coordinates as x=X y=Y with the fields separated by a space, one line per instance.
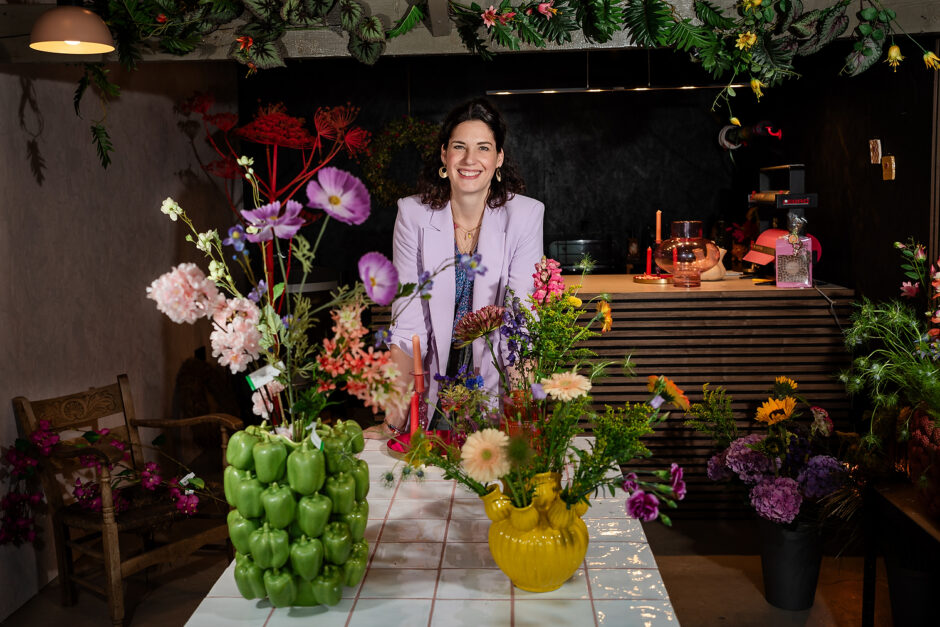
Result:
x=686 y=254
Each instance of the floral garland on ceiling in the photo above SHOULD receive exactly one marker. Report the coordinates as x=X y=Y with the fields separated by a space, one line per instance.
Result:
x=397 y=135
x=754 y=40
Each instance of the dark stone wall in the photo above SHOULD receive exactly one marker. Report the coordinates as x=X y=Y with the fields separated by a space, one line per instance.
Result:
x=604 y=163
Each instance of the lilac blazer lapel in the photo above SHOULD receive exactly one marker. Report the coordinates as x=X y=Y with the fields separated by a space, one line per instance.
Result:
x=491 y=247
x=438 y=250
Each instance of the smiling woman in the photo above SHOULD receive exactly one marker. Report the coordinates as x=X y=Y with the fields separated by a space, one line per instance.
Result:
x=470 y=219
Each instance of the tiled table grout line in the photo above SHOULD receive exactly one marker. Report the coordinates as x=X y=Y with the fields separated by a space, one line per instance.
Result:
x=268 y=619
x=440 y=563
x=587 y=580
x=512 y=604
x=375 y=552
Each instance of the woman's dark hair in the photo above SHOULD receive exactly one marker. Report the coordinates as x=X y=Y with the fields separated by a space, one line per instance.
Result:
x=435 y=191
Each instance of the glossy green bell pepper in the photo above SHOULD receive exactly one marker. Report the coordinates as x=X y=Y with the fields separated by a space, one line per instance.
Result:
x=240 y=530
x=328 y=585
x=305 y=594
x=238 y=451
x=306 y=557
x=360 y=549
x=360 y=474
x=270 y=548
x=270 y=459
x=306 y=469
x=249 y=578
x=337 y=543
x=313 y=512
x=357 y=520
x=248 y=498
x=279 y=505
x=280 y=586
x=352 y=430
x=354 y=569
x=231 y=478
x=338 y=452
x=341 y=488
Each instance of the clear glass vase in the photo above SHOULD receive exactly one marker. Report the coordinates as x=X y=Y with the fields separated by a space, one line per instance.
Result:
x=686 y=254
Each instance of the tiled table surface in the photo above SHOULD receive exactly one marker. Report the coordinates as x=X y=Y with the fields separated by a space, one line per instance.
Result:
x=430 y=565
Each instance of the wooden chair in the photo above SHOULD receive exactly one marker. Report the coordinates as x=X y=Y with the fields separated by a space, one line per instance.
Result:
x=97 y=536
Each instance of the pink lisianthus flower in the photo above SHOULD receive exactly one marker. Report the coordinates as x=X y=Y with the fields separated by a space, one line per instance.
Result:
x=184 y=294
x=340 y=195
x=489 y=16
x=379 y=277
x=908 y=290
x=269 y=222
x=235 y=339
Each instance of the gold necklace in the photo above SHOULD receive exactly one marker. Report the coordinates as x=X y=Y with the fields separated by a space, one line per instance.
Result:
x=469 y=232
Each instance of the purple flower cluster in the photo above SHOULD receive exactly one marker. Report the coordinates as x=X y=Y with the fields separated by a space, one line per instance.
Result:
x=717 y=469
x=643 y=506
x=472 y=265
x=777 y=499
x=821 y=477
x=748 y=464
x=514 y=329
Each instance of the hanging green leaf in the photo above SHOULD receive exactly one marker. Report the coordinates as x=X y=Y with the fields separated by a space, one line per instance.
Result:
x=370 y=29
x=222 y=11
x=468 y=31
x=685 y=35
x=318 y=8
x=367 y=52
x=102 y=141
x=526 y=32
x=712 y=15
x=264 y=10
x=264 y=55
x=350 y=12
x=790 y=10
x=647 y=21
x=860 y=60
x=180 y=45
x=599 y=19
x=291 y=10
x=408 y=21
x=83 y=83
x=504 y=36
x=262 y=32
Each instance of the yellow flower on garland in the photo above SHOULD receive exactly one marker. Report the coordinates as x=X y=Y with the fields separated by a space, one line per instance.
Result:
x=932 y=61
x=894 y=57
x=776 y=410
x=735 y=121
x=603 y=308
x=750 y=5
x=746 y=41
x=755 y=87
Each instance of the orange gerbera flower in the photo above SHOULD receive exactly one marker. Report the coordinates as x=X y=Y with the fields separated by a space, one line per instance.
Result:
x=672 y=392
x=776 y=410
x=603 y=308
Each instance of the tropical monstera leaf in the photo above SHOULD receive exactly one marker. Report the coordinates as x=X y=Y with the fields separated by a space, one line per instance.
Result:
x=647 y=21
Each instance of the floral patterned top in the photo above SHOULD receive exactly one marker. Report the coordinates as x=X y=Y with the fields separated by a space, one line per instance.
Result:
x=463 y=299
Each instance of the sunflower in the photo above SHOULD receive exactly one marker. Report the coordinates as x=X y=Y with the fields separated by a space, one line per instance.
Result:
x=784 y=386
x=776 y=410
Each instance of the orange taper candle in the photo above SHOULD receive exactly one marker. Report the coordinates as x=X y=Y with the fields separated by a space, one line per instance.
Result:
x=659 y=226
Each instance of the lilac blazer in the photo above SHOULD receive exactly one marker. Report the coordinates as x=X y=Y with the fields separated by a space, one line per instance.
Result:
x=510 y=245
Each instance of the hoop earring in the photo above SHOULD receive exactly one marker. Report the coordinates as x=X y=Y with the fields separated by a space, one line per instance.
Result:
x=499 y=176
x=442 y=172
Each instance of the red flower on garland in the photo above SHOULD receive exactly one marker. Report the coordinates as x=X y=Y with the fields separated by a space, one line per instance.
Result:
x=224 y=168
x=274 y=127
x=245 y=42
x=161 y=19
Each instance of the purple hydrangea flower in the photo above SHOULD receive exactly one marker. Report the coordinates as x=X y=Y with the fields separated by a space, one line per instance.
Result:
x=236 y=238
x=748 y=464
x=777 y=499
x=643 y=506
x=717 y=469
x=340 y=195
x=379 y=277
x=675 y=480
x=471 y=265
x=821 y=477
x=271 y=223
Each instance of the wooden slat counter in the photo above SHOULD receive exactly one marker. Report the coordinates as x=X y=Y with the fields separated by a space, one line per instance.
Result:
x=731 y=333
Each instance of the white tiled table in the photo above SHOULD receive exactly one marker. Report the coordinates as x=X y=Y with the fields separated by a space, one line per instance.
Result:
x=430 y=565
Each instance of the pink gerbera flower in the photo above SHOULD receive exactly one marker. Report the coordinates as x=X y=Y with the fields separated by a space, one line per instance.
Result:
x=340 y=194
x=566 y=386
x=379 y=277
x=484 y=457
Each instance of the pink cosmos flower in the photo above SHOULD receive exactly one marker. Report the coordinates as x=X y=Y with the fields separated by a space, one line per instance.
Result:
x=908 y=290
x=340 y=195
x=271 y=223
x=185 y=294
x=379 y=277
x=235 y=338
x=545 y=8
x=489 y=16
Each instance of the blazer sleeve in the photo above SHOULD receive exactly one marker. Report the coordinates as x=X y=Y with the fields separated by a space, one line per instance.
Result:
x=527 y=251
x=408 y=312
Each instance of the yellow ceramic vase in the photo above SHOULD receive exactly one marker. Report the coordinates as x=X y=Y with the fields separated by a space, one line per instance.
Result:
x=539 y=547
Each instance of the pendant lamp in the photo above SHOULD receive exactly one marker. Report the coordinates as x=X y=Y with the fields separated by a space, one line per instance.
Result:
x=69 y=29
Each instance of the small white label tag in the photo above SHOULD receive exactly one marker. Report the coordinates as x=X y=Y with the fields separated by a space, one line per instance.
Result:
x=185 y=480
x=315 y=439
x=262 y=376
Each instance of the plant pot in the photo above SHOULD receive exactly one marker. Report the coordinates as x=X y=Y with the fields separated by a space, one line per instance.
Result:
x=790 y=560
x=536 y=555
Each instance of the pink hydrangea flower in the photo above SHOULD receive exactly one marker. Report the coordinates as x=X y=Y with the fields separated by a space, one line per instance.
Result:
x=185 y=294
x=236 y=341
